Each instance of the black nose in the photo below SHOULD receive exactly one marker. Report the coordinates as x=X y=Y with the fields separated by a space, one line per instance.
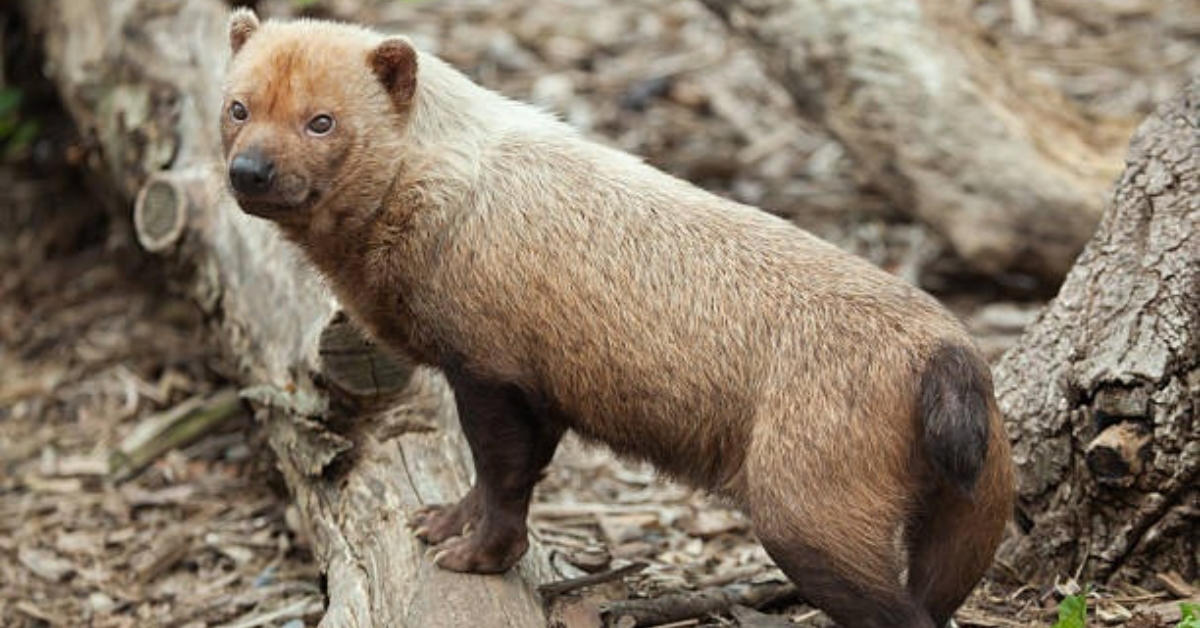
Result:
x=251 y=172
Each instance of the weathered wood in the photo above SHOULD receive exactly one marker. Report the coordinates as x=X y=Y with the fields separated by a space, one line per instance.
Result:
x=1010 y=173
x=360 y=371
x=142 y=80
x=1115 y=456
x=157 y=434
x=1115 y=361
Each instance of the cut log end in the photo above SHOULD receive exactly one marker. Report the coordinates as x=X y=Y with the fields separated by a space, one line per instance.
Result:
x=160 y=214
x=360 y=371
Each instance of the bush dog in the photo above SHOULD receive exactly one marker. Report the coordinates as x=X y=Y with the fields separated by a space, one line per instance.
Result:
x=560 y=284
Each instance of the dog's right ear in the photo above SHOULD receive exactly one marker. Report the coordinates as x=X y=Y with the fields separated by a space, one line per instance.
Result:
x=242 y=24
x=394 y=62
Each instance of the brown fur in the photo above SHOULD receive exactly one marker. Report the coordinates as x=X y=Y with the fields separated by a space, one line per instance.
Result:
x=563 y=285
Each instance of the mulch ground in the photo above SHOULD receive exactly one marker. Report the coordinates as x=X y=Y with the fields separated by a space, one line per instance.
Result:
x=87 y=353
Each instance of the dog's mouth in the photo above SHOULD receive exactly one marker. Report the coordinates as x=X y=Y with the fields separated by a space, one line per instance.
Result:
x=290 y=195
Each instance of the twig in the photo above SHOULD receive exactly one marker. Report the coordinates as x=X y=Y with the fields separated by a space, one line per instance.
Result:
x=669 y=608
x=569 y=511
x=987 y=620
x=687 y=623
x=169 y=551
x=1176 y=584
x=554 y=589
x=1136 y=599
x=299 y=608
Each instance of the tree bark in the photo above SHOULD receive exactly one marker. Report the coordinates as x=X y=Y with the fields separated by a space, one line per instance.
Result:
x=1101 y=392
x=360 y=439
x=1010 y=173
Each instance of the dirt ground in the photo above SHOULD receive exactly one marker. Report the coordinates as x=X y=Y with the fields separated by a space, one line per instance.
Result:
x=93 y=343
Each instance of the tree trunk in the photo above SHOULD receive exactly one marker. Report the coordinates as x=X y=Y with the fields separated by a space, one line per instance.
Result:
x=142 y=79
x=1101 y=392
x=1011 y=174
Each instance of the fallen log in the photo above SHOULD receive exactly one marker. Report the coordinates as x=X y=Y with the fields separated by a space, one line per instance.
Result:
x=360 y=439
x=1012 y=174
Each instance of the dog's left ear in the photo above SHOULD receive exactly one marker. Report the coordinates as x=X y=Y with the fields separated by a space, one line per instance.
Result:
x=394 y=62
x=242 y=24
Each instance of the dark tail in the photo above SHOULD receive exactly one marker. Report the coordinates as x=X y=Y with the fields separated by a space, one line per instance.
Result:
x=956 y=387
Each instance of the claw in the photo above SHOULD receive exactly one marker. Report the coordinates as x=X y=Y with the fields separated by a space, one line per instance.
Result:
x=442 y=551
x=437 y=523
x=418 y=516
x=475 y=554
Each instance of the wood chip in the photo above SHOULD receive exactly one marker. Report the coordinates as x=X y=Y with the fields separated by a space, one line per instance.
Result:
x=1112 y=613
x=54 y=486
x=1176 y=584
x=749 y=618
x=78 y=542
x=581 y=510
x=806 y=617
x=575 y=614
x=708 y=523
x=1170 y=611
x=28 y=608
x=590 y=559
x=137 y=496
x=44 y=564
x=100 y=603
x=621 y=528
x=636 y=549
x=85 y=465
x=299 y=608
x=170 y=550
x=729 y=576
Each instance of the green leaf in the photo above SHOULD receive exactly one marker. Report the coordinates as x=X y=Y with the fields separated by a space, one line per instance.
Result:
x=8 y=126
x=1191 y=615
x=10 y=99
x=22 y=137
x=1072 y=612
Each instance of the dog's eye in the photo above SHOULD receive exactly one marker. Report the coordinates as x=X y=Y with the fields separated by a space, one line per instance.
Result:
x=238 y=111
x=320 y=125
